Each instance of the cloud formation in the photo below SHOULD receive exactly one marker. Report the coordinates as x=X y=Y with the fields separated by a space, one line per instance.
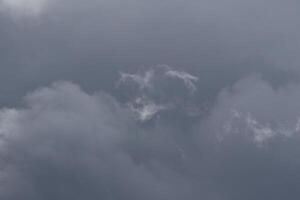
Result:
x=188 y=79
x=200 y=127
x=69 y=144
x=159 y=88
x=253 y=107
x=66 y=143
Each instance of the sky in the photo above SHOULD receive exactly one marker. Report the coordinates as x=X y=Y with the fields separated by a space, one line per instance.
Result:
x=152 y=100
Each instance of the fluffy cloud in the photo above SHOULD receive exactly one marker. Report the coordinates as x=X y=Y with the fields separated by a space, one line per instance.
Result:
x=69 y=144
x=160 y=132
x=254 y=108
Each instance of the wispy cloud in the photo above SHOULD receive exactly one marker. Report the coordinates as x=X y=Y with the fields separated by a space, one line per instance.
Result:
x=145 y=109
x=188 y=79
x=142 y=80
x=256 y=110
x=155 y=88
x=239 y=123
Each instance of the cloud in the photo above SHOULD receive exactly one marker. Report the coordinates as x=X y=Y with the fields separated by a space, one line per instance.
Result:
x=162 y=132
x=23 y=7
x=143 y=81
x=160 y=88
x=188 y=79
x=145 y=109
x=253 y=108
x=74 y=40
x=68 y=144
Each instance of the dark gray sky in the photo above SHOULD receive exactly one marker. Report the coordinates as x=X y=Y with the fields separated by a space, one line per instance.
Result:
x=169 y=99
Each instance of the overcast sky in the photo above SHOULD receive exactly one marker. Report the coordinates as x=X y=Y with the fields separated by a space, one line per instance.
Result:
x=149 y=99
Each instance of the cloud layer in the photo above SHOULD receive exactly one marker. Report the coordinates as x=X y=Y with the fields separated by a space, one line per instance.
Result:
x=123 y=127
x=66 y=143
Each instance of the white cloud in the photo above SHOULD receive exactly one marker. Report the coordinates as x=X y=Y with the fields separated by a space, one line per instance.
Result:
x=142 y=80
x=261 y=133
x=188 y=79
x=145 y=109
x=239 y=123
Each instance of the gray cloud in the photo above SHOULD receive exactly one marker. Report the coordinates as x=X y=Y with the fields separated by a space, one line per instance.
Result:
x=197 y=128
x=80 y=41
x=66 y=143
x=254 y=134
x=159 y=88
x=253 y=106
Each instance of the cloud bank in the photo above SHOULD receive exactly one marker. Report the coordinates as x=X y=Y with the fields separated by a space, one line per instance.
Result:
x=66 y=143
x=200 y=127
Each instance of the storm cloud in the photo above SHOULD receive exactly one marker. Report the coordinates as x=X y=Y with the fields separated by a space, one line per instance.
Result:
x=125 y=99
